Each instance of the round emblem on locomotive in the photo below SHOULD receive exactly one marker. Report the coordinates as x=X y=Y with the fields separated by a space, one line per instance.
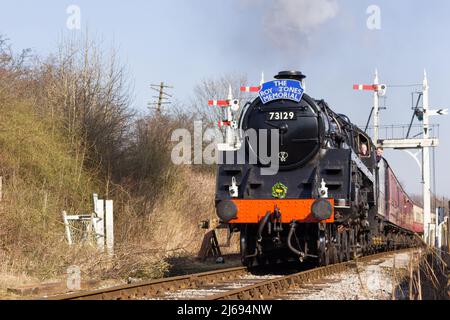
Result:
x=279 y=191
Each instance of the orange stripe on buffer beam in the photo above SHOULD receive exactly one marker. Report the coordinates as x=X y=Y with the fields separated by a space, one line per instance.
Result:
x=252 y=211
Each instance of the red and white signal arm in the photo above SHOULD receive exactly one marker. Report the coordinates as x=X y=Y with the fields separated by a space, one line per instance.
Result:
x=219 y=103
x=234 y=104
x=380 y=88
x=224 y=124
x=250 y=89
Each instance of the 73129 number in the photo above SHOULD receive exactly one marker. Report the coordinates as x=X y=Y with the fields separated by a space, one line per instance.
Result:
x=281 y=115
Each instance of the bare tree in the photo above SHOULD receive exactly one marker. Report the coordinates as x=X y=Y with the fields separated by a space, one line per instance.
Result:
x=216 y=89
x=89 y=94
x=13 y=67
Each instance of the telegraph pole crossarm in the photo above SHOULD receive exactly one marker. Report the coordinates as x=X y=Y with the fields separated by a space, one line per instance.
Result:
x=162 y=96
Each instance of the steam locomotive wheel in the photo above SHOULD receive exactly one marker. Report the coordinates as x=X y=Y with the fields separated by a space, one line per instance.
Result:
x=324 y=258
x=345 y=246
x=340 y=246
x=365 y=243
x=352 y=242
x=334 y=245
x=362 y=242
x=248 y=246
x=324 y=248
x=333 y=252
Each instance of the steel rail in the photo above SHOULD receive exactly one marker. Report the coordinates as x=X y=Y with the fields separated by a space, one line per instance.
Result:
x=262 y=290
x=153 y=288
x=274 y=287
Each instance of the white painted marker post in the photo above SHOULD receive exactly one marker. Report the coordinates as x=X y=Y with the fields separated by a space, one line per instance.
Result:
x=99 y=225
x=109 y=224
x=67 y=227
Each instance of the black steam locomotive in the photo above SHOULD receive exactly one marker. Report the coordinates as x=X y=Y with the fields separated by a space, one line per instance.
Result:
x=322 y=203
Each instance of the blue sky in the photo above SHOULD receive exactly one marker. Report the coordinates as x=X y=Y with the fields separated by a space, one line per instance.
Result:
x=182 y=42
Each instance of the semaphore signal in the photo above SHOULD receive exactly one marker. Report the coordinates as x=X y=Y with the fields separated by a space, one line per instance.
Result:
x=407 y=143
x=254 y=89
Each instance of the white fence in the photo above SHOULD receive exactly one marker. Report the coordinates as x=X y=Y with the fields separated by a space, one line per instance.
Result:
x=97 y=227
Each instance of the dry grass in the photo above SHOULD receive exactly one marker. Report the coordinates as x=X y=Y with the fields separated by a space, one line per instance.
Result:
x=9 y=276
x=177 y=216
x=62 y=140
x=42 y=177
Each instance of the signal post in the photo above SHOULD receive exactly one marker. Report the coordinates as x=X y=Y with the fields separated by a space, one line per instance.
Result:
x=405 y=144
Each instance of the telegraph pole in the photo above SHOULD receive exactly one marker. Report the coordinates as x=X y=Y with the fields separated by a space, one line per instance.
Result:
x=426 y=164
x=162 y=97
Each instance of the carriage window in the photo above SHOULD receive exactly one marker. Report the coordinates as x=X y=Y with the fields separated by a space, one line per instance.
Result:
x=363 y=146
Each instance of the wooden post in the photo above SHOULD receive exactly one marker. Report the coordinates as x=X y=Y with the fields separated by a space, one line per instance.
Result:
x=66 y=223
x=99 y=224
x=1 y=188
x=95 y=199
x=109 y=225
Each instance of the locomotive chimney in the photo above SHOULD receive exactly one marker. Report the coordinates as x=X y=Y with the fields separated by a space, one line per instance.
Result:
x=294 y=75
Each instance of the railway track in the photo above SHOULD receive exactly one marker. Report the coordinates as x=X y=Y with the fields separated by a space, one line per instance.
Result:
x=237 y=283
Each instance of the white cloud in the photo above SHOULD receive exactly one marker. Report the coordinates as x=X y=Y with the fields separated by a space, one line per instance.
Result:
x=285 y=19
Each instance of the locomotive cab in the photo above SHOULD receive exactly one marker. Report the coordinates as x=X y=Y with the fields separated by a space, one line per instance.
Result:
x=365 y=149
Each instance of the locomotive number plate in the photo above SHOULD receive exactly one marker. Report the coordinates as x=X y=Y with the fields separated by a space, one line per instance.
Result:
x=281 y=115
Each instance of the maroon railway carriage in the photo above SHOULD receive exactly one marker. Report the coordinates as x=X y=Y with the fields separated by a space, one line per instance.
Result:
x=418 y=219
x=394 y=203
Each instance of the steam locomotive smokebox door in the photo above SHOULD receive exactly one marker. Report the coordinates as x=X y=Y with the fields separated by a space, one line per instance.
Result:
x=283 y=106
